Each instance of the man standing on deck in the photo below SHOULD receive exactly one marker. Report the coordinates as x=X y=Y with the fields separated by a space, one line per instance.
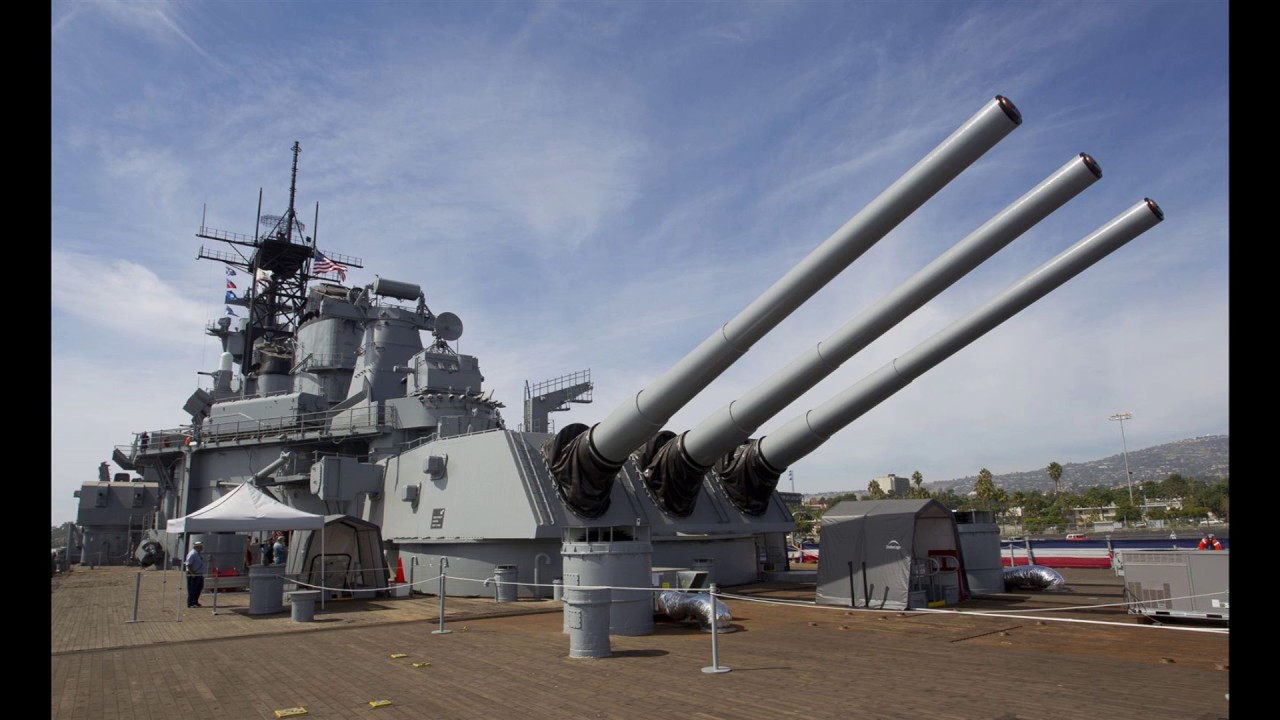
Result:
x=1209 y=542
x=280 y=551
x=195 y=574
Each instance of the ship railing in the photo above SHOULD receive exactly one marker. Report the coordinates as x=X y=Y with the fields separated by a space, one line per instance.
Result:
x=546 y=387
x=348 y=260
x=534 y=426
x=382 y=301
x=225 y=236
x=432 y=437
x=355 y=421
x=160 y=440
x=419 y=441
x=273 y=393
x=352 y=421
x=327 y=361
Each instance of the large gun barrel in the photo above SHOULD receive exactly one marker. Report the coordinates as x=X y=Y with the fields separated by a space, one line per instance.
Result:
x=584 y=460
x=632 y=422
x=276 y=464
x=754 y=463
x=734 y=423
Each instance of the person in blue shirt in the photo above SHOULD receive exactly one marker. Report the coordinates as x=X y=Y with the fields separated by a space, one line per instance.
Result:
x=280 y=551
x=195 y=574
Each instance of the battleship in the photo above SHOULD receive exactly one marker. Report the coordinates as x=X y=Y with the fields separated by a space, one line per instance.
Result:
x=353 y=402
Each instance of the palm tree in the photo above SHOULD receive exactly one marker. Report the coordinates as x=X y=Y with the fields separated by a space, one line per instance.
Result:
x=1055 y=474
x=917 y=479
x=985 y=489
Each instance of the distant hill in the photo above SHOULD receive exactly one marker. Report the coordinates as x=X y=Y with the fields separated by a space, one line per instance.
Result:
x=1203 y=458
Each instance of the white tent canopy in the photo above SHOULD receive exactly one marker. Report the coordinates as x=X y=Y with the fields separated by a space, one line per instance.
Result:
x=246 y=508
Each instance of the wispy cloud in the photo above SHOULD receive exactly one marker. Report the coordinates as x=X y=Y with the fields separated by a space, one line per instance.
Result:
x=123 y=298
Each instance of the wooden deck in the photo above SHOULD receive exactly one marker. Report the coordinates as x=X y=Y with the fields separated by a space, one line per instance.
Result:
x=1026 y=656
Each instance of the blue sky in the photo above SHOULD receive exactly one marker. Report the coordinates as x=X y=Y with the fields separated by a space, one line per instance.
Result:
x=603 y=185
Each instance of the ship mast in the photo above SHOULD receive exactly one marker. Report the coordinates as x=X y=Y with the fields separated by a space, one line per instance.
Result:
x=278 y=266
x=293 y=192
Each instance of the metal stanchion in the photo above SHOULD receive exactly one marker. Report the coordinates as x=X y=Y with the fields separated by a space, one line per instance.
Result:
x=164 y=580
x=714 y=667
x=444 y=563
x=137 y=588
x=215 y=589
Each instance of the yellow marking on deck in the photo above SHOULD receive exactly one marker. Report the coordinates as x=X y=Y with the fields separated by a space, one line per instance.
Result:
x=421 y=664
x=290 y=712
x=399 y=655
x=379 y=703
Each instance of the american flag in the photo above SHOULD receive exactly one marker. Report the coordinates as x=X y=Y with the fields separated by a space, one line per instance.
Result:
x=324 y=265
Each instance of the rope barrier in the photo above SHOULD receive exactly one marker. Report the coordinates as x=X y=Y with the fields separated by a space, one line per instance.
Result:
x=715 y=596
x=289 y=579
x=814 y=605
x=807 y=604
x=1043 y=614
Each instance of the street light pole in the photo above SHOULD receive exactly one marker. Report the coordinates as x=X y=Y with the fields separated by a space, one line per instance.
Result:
x=1128 y=476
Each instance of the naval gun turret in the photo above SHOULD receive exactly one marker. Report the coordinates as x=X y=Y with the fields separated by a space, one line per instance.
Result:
x=535 y=503
x=585 y=460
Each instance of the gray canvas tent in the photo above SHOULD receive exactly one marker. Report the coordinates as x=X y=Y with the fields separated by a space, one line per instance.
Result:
x=345 y=557
x=890 y=554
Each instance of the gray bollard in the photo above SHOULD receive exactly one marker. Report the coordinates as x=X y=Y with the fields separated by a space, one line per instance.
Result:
x=505 y=587
x=266 y=589
x=557 y=589
x=304 y=604
x=586 y=619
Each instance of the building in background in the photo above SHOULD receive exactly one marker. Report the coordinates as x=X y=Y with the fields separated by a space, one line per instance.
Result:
x=892 y=485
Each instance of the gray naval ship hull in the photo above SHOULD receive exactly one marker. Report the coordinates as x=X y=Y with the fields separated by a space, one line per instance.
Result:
x=327 y=398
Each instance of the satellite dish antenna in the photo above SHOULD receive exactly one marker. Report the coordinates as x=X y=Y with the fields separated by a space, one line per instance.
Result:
x=448 y=327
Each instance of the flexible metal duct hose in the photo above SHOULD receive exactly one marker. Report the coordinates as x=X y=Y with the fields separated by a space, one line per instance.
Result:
x=695 y=606
x=1033 y=577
